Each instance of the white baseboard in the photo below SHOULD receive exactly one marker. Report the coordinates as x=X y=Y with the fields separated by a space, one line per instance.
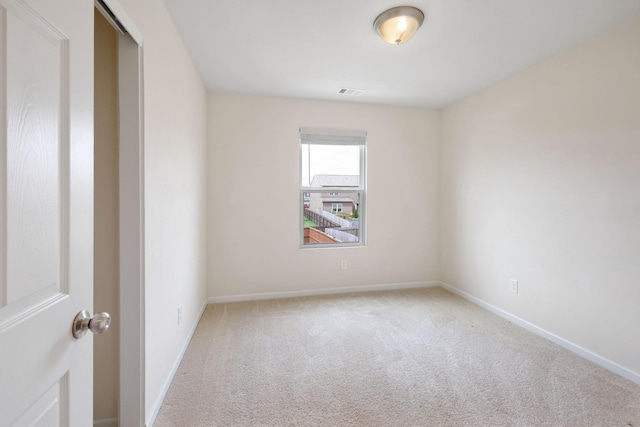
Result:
x=574 y=348
x=106 y=422
x=323 y=291
x=176 y=364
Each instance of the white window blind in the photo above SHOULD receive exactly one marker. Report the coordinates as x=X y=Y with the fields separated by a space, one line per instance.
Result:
x=332 y=136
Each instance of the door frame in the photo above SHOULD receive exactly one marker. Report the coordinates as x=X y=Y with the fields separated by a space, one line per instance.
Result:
x=131 y=201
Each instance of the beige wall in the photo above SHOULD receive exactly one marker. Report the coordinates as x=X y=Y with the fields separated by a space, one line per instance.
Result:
x=105 y=273
x=541 y=183
x=254 y=184
x=175 y=205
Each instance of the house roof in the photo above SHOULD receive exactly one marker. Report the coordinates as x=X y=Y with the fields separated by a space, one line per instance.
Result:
x=335 y=181
x=337 y=200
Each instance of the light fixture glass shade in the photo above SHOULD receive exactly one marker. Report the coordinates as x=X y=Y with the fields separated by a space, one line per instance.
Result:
x=399 y=24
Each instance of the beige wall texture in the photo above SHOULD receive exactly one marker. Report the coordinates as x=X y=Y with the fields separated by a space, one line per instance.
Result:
x=106 y=265
x=254 y=203
x=175 y=204
x=540 y=183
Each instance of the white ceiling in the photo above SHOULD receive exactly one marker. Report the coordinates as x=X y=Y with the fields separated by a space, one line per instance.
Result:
x=311 y=48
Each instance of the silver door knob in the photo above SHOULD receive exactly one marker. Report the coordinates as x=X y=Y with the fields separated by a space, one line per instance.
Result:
x=84 y=322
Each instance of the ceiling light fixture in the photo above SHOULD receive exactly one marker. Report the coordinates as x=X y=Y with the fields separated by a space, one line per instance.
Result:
x=397 y=25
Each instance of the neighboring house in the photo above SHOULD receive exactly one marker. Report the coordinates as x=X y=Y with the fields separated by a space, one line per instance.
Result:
x=334 y=201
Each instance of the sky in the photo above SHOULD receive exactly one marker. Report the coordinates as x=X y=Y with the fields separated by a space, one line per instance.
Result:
x=328 y=160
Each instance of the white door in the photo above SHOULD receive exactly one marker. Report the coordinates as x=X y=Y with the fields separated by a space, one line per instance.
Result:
x=46 y=211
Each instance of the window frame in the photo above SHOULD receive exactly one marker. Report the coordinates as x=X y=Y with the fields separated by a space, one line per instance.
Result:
x=334 y=137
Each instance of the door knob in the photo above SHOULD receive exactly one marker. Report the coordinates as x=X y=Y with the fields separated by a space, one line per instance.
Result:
x=83 y=322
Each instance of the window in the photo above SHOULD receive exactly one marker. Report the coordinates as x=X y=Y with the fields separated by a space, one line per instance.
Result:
x=332 y=187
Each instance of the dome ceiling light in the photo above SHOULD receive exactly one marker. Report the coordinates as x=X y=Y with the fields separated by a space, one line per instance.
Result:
x=397 y=25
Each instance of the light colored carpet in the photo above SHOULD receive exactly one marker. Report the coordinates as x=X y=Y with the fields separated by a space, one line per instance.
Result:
x=422 y=357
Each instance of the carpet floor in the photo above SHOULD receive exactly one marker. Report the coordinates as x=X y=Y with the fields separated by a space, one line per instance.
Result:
x=420 y=357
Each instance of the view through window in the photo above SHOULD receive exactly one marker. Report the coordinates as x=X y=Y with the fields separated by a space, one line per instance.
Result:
x=332 y=187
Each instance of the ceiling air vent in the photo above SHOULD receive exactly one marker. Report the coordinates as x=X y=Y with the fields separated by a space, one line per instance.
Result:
x=350 y=91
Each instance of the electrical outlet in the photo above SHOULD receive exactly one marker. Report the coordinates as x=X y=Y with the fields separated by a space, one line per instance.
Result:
x=179 y=315
x=343 y=264
x=513 y=285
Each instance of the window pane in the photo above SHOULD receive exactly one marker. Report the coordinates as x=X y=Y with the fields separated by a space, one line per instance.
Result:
x=317 y=160
x=332 y=219
x=332 y=192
